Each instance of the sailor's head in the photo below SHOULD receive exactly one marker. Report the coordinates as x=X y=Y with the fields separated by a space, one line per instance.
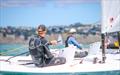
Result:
x=72 y=31
x=42 y=30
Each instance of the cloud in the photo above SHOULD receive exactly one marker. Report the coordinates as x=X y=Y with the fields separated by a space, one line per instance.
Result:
x=72 y=2
x=27 y=3
x=77 y=1
x=21 y=3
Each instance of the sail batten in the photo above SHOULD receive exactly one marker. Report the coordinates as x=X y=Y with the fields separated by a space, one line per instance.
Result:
x=110 y=16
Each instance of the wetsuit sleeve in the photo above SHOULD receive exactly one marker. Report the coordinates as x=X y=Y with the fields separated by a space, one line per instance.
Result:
x=75 y=43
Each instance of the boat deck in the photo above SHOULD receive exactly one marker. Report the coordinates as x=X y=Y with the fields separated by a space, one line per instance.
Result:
x=112 y=63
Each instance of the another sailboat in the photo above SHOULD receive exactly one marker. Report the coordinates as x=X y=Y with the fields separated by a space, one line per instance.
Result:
x=60 y=39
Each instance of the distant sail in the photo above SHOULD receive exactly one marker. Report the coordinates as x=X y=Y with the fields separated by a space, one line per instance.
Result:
x=110 y=16
x=60 y=40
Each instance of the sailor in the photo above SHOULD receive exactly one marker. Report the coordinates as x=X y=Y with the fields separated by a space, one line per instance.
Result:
x=39 y=49
x=111 y=43
x=71 y=40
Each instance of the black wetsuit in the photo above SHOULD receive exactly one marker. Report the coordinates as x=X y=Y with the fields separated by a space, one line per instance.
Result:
x=41 y=54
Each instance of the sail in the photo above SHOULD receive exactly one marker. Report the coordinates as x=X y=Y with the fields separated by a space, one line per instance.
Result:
x=110 y=16
x=60 y=40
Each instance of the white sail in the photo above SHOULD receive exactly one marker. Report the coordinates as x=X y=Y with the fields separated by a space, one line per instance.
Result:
x=60 y=39
x=110 y=16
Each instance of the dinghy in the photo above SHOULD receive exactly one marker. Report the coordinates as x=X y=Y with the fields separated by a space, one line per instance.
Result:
x=21 y=65
x=95 y=62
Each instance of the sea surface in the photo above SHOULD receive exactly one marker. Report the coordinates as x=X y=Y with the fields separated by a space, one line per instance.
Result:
x=75 y=73
x=16 y=49
x=12 y=49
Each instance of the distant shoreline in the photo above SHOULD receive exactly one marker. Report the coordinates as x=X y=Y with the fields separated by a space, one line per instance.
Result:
x=11 y=39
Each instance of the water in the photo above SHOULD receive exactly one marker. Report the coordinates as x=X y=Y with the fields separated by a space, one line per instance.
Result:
x=72 y=73
x=12 y=49
x=15 y=49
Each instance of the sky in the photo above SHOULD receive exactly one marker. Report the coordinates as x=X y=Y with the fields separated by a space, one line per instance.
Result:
x=49 y=12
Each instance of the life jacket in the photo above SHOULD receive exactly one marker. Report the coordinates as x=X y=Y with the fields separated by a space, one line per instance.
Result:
x=36 y=51
x=66 y=41
x=116 y=43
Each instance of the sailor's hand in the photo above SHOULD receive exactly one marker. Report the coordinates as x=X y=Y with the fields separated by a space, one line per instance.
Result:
x=53 y=42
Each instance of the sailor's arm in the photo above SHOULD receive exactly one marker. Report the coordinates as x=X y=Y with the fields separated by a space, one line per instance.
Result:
x=76 y=43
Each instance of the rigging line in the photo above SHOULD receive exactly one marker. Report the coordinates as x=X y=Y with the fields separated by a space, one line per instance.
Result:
x=16 y=56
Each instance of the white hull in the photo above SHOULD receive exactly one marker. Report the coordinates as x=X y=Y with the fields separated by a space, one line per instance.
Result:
x=112 y=64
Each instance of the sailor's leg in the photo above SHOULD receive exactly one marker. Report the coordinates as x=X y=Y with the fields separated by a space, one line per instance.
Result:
x=48 y=53
x=81 y=54
x=57 y=61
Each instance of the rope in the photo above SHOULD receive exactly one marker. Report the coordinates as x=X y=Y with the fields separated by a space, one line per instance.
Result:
x=17 y=55
x=11 y=50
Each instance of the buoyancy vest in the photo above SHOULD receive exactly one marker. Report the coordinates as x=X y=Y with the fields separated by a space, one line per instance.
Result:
x=66 y=41
x=39 y=51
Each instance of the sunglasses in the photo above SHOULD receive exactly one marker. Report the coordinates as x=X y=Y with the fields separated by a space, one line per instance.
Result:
x=41 y=32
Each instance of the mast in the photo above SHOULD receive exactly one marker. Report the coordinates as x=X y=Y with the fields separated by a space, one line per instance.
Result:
x=103 y=48
x=110 y=21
